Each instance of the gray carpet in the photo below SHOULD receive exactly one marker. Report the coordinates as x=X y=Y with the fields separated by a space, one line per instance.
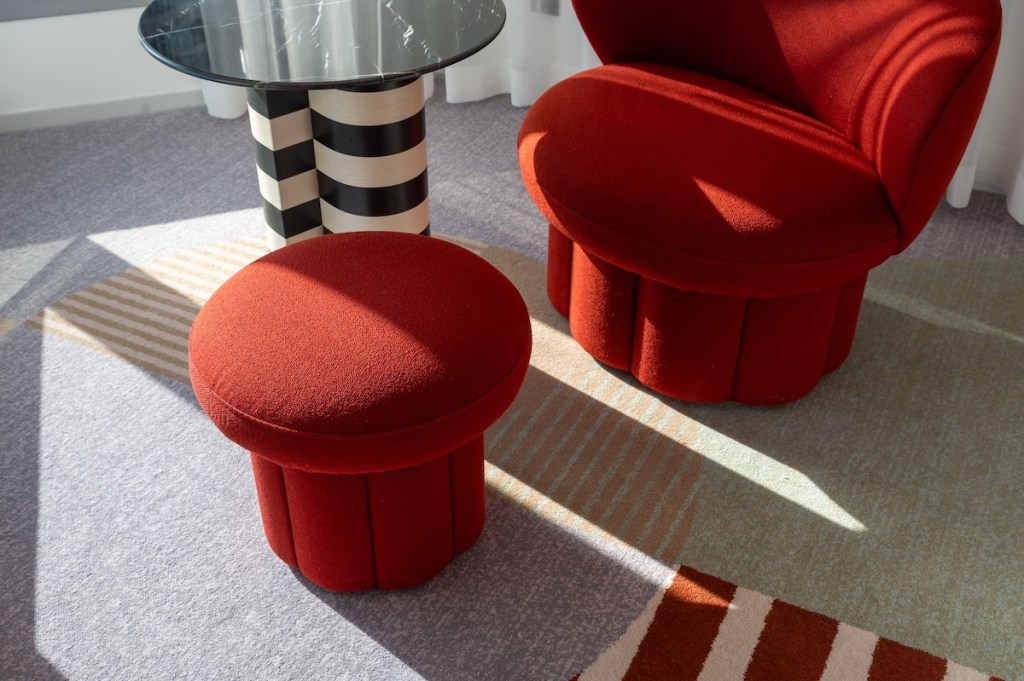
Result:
x=891 y=498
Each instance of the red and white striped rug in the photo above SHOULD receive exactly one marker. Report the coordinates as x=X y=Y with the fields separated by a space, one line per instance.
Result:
x=701 y=628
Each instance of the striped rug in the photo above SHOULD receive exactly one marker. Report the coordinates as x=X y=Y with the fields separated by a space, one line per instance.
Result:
x=559 y=452
x=143 y=315
x=700 y=628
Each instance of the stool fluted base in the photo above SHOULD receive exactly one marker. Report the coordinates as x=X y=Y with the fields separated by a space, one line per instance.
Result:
x=388 y=530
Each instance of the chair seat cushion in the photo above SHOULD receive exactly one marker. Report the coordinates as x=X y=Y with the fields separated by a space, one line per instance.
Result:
x=703 y=184
x=361 y=352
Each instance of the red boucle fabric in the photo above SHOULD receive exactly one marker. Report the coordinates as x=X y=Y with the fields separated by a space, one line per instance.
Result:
x=359 y=353
x=759 y=147
x=720 y=188
x=903 y=80
x=704 y=184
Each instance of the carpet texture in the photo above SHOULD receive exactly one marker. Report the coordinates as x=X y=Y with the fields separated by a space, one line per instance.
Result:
x=868 y=531
x=696 y=626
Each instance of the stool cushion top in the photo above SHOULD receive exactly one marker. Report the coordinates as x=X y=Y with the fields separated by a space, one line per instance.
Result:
x=360 y=352
x=742 y=195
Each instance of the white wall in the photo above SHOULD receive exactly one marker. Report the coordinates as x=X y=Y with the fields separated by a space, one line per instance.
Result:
x=81 y=67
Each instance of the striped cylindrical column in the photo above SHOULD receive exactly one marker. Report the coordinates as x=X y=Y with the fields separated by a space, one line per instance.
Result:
x=370 y=151
x=286 y=164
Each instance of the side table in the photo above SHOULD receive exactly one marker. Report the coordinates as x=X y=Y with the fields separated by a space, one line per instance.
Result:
x=335 y=97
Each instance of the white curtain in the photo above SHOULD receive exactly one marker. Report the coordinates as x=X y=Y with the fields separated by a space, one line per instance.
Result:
x=995 y=158
x=536 y=50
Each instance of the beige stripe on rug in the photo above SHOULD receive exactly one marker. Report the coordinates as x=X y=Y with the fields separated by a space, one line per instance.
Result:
x=143 y=315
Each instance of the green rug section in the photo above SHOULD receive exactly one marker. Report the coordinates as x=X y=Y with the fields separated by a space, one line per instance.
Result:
x=889 y=498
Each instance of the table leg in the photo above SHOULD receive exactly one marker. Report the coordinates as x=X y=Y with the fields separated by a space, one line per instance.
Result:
x=371 y=157
x=341 y=160
x=285 y=164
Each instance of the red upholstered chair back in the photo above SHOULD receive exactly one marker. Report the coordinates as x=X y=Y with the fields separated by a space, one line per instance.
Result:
x=904 y=80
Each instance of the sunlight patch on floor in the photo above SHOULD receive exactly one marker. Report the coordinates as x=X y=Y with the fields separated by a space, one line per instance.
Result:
x=934 y=314
x=148 y=242
x=778 y=478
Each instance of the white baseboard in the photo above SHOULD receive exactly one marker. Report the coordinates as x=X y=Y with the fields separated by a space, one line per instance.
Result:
x=80 y=113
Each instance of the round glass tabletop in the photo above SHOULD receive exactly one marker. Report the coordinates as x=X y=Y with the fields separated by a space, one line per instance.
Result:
x=306 y=44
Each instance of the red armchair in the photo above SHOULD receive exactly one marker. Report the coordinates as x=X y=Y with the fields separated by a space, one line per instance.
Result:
x=720 y=187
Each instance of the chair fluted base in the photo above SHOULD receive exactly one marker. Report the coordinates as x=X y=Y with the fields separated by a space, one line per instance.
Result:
x=702 y=347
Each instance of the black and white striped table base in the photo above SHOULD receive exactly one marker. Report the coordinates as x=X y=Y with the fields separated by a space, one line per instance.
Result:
x=341 y=160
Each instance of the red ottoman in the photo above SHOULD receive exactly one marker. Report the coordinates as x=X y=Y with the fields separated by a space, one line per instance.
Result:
x=361 y=370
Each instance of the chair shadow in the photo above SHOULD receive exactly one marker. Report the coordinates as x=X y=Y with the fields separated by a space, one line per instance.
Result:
x=117 y=325
x=21 y=350
x=19 y=511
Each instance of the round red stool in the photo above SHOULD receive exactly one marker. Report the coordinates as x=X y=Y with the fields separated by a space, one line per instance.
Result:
x=360 y=370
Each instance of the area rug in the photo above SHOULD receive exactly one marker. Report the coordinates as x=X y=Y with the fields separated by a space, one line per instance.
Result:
x=703 y=628
x=595 y=455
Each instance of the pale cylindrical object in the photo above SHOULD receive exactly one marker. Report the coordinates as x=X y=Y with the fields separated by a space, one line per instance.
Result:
x=223 y=101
